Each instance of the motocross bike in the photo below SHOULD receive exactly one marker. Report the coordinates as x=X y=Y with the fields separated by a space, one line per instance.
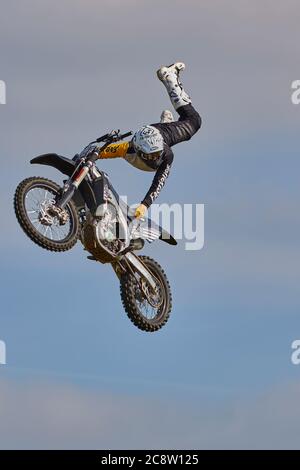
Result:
x=88 y=208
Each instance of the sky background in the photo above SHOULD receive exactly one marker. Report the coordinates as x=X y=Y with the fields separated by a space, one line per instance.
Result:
x=219 y=374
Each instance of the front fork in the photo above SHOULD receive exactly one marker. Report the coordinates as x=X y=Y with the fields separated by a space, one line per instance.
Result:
x=72 y=184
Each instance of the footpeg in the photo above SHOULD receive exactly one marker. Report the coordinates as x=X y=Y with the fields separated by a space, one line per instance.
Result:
x=137 y=244
x=92 y=258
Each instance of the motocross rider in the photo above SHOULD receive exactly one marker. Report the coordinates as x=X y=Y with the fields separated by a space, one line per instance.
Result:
x=150 y=147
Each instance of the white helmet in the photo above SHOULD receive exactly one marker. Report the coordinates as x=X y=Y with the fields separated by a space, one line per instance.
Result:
x=148 y=142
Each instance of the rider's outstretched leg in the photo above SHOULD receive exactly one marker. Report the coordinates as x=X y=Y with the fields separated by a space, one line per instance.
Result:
x=189 y=121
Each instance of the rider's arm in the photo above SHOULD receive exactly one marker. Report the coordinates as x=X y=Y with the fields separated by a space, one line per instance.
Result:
x=159 y=180
x=115 y=150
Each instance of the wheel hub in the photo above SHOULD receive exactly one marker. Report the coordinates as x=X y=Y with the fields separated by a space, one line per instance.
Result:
x=48 y=213
x=154 y=297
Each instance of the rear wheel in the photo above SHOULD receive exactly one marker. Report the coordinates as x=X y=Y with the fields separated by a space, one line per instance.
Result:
x=37 y=214
x=149 y=311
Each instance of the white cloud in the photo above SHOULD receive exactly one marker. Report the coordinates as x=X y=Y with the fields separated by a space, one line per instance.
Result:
x=60 y=416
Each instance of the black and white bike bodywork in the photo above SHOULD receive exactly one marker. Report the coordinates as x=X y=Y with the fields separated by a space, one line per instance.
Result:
x=88 y=208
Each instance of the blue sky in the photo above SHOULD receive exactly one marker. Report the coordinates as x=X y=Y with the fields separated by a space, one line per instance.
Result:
x=219 y=374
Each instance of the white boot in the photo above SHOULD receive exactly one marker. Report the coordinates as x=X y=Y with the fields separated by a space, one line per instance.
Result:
x=166 y=116
x=170 y=78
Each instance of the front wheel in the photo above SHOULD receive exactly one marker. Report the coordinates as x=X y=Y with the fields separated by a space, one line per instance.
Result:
x=149 y=311
x=37 y=214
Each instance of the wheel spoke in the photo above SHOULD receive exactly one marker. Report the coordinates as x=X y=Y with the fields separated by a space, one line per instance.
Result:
x=146 y=309
x=37 y=201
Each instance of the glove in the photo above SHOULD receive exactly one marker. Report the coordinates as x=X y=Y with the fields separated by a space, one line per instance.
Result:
x=140 y=211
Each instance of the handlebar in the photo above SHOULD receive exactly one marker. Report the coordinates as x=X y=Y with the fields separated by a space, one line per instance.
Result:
x=127 y=134
x=107 y=139
x=113 y=137
x=102 y=138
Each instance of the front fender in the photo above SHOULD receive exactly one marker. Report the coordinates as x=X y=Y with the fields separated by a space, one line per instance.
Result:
x=63 y=164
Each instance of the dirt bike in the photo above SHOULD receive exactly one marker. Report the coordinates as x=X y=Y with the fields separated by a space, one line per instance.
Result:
x=88 y=208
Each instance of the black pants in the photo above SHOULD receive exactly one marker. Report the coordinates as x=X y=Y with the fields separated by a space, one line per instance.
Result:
x=188 y=124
